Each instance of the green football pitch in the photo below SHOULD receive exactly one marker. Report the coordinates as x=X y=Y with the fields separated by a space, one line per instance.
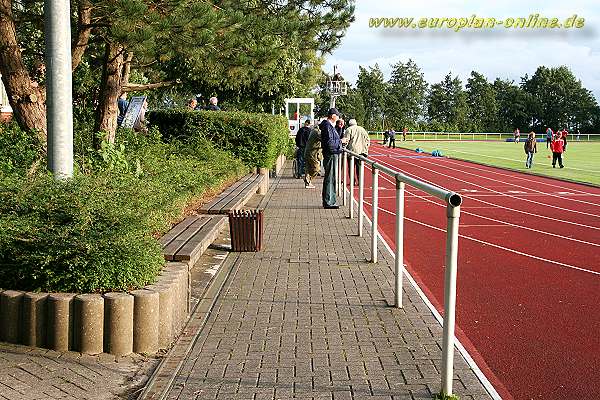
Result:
x=582 y=159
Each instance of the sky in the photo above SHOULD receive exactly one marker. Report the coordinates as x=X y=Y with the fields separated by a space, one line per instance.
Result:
x=505 y=53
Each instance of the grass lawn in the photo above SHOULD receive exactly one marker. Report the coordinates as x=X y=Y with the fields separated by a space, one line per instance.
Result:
x=582 y=159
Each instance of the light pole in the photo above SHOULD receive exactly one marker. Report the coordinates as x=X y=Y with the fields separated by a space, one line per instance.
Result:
x=59 y=81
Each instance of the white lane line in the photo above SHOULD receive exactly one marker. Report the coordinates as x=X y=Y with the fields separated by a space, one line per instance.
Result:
x=505 y=223
x=564 y=209
x=513 y=210
x=462 y=171
x=497 y=245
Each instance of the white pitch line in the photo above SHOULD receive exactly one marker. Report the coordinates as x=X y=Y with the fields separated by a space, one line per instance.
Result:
x=511 y=159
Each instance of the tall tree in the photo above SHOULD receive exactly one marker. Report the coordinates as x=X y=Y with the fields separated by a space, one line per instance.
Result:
x=563 y=101
x=405 y=96
x=516 y=107
x=372 y=88
x=226 y=44
x=483 y=108
x=447 y=105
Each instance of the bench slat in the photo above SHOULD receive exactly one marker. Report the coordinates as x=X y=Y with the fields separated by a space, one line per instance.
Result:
x=176 y=230
x=201 y=240
x=223 y=195
x=171 y=249
x=235 y=196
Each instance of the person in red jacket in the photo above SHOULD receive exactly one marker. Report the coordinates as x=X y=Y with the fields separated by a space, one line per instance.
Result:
x=558 y=147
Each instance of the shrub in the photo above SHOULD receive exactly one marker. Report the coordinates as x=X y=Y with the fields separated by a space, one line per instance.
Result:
x=19 y=150
x=257 y=139
x=97 y=232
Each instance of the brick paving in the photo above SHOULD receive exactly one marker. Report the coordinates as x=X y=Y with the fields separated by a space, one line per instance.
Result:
x=29 y=374
x=310 y=318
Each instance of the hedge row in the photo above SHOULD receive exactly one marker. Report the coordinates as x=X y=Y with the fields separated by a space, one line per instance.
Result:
x=97 y=232
x=257 y=139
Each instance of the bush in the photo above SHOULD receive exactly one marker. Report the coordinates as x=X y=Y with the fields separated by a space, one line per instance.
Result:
x=97 y=232
x=257 y=139
x=19 y=150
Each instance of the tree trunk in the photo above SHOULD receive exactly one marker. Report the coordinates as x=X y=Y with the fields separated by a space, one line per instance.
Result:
x=110 y=89
x=26 y=97
x=84 y=19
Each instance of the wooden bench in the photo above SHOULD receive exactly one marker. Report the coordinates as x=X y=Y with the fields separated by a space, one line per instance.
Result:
x=191 y=237
x=235 y=196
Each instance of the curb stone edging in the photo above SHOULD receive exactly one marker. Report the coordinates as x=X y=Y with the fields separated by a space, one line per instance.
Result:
x=94 y=323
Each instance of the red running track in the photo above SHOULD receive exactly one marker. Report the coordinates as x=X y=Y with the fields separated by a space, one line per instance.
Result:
x=528 y=290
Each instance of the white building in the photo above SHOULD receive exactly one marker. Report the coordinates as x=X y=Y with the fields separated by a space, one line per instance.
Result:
x=5 y=109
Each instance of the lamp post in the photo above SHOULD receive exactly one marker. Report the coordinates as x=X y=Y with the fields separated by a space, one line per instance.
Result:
x=59 y=81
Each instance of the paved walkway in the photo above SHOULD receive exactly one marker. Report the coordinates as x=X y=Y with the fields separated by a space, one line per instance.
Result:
x=310 y=318
x=27 y=373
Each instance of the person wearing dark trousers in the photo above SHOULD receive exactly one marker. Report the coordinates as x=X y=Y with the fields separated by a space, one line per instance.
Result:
x=558 y=147
x=332 y=147
x=301 y=139
x=392 y=135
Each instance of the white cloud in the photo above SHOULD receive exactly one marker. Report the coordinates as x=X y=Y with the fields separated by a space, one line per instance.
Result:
x=505 y=53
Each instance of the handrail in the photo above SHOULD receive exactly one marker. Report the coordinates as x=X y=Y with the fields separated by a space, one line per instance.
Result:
x=453 y=202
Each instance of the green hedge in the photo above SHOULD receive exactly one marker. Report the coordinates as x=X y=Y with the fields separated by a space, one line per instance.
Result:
x=257 y=139
x=98 y=232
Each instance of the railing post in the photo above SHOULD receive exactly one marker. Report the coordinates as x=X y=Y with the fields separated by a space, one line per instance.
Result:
x=399 y=240
x=453 y=214
x=361 y=196
x=337 y=176
x=344 y=171
x=352 y=177
x=375 y=185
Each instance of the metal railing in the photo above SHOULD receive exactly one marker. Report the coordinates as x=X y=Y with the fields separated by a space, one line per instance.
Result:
x=453 y=202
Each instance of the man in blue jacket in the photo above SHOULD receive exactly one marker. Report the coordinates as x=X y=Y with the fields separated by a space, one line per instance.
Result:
x=332 y=147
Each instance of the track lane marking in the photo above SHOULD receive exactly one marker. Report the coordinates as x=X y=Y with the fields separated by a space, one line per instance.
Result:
x=455 y=162
x=505 y=222
x=514 y=210
x=496 y=245
x=491 y=190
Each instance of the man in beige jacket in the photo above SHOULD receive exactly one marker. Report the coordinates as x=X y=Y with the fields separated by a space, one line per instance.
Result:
x=358 y=141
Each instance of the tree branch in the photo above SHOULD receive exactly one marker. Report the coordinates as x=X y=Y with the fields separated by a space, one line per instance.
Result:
x=136 y=87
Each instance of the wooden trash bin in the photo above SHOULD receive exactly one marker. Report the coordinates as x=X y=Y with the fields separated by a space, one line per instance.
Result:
x=246 y=230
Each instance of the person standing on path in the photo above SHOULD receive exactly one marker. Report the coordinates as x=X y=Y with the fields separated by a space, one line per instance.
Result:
x=557 y=147
x=313 y=155
x=332 y=147
x=358 y=142
x=404 y=132
x=530 y=148
x=301 y=140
